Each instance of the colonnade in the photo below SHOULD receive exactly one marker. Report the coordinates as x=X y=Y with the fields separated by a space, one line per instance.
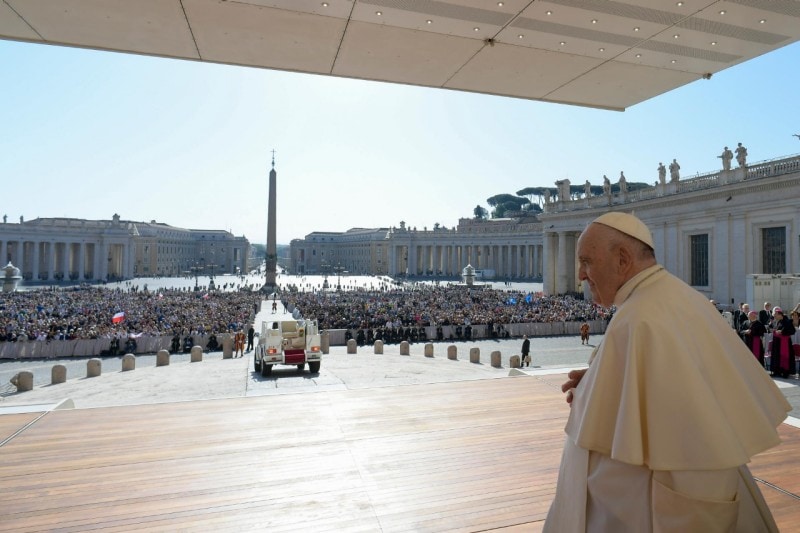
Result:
x=560 y=268
x=48 y=260
x=508 y=261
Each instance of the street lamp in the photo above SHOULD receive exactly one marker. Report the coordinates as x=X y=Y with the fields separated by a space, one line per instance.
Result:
x=325 y=267
x=196 y=269
x=338 y=269
x=211 y=286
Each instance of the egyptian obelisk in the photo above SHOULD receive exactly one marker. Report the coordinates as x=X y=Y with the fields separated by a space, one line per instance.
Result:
x=272 y=253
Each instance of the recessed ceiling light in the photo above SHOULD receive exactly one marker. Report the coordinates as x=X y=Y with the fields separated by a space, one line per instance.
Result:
x=636 y=28
x=520 y=36
x=548 y=13
x=713 y=43
x=602 y=49
x=673 y=61
x=562 y=43
x=675 y=36
x=680 y=4
x=722 y=12
x=324 y=4
x=500 y=4
x=378 y=13
x=762 y=21
x=594 y=21
x=429 y=21
x=476 y=28
x=638 y=55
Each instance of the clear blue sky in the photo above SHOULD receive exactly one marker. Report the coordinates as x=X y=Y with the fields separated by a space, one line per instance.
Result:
x=87 y=134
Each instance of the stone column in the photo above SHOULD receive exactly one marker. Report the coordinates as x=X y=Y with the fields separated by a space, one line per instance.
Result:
x=4 y=253
x=412 y=260
x=19 y=263
x=35 y=269
x=65 y=259
x=51 y=260
x=561 y=265
x=392 y=258
x=81 y=260
x=524 y=260
x=549 y=270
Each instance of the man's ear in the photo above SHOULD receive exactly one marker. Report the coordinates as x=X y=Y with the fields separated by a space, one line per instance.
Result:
x=624 y=259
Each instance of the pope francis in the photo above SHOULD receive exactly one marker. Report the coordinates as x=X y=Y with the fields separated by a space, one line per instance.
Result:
x=670 y=410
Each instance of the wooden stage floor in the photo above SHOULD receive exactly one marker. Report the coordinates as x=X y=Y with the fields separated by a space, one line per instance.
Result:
x=460 y=456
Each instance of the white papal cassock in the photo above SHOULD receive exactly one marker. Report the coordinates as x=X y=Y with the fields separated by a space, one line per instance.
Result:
x=665 y=420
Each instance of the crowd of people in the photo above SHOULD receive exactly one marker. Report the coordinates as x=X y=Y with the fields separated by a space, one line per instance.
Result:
x=92 y=313
x=428 y=305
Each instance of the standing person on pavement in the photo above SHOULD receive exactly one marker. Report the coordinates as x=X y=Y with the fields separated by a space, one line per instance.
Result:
x=662 y=423
x=238 y=344
x=251 y=333
x=585 y=333
x=526 y=348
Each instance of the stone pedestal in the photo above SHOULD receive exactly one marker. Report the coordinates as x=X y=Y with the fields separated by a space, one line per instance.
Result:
x=378 y=347
x=23 y=381
x=514 y=362
x=475 y=355
x=58 y=374
x=128 y=362
x=352 y=347
x=452 y=352
x=325 y=341
x=496 y=360
x=162 y=358
x=429 y=350
x=227 y=346
x=197 y=354
x=94 y=367
x=405 y=348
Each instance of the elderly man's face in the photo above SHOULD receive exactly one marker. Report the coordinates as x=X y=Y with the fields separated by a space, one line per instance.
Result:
x=599 y=266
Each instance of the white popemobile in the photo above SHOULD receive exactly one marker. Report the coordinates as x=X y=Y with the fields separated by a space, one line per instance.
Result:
x=288 y=340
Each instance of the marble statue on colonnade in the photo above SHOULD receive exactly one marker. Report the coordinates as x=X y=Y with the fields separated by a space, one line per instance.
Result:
x=726 y=157
x=563 y=190
x=662 y=173
x=674 y=171
x=587 y=189
x=623 y=183
x=606 y=185
x=741 y=155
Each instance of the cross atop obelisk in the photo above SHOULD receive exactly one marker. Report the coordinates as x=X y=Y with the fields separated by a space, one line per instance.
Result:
x=271 y=262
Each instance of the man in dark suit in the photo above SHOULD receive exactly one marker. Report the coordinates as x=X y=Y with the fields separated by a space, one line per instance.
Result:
x=251 y=333
x=526 y=348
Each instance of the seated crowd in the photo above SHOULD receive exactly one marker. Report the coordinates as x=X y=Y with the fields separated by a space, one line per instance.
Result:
x=58 y=314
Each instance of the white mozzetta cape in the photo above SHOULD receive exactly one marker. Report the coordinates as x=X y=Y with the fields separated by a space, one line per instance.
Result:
x=670 y=388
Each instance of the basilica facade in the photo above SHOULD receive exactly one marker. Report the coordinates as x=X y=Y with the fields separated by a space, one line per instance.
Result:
x=712 y=230
x=54 y=249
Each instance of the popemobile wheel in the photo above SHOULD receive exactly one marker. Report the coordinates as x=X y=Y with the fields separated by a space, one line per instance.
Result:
x=266 y=369
x=302 y=367
x=313 y=367
x=256 y=364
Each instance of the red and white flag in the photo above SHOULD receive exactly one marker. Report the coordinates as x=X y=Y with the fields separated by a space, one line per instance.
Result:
x=117 y=318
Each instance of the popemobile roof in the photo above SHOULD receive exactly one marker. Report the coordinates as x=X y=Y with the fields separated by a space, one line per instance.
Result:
x=597 y=53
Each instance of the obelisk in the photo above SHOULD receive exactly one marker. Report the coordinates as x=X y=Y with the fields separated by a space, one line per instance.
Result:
x=272 y=253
